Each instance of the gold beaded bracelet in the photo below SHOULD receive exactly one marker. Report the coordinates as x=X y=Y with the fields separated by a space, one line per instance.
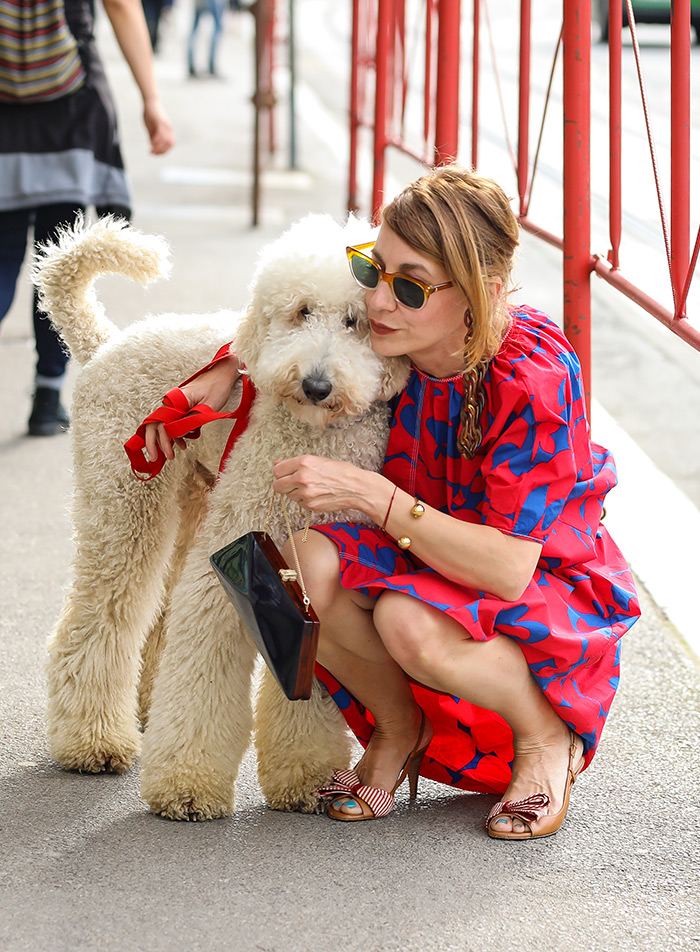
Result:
x=417 y=510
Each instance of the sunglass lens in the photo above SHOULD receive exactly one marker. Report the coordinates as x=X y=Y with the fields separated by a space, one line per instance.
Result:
x=409 y=293
x=366 y=273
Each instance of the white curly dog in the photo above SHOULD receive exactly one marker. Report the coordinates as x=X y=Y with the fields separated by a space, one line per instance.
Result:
x=141 y=573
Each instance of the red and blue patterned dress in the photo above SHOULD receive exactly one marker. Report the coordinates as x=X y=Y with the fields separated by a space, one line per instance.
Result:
x=537 y=476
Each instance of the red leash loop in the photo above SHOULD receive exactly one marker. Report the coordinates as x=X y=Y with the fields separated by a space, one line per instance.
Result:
x=179 y=420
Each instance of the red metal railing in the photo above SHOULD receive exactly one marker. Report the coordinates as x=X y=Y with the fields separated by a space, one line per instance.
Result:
x=385 y=63
x=676 y=239
x=379 y=52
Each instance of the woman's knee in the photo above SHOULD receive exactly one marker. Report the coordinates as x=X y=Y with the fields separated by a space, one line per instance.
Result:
x=320 y=567
x=420 y=638
x=394 y=620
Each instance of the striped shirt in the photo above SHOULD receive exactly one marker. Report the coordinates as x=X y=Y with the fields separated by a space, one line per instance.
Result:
x=39 y=57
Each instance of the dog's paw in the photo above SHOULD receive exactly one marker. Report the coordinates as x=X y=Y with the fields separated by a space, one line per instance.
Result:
x=102 y=762
x=290 y=801
x=190 y=809
x=182 y=797
x=95 y=757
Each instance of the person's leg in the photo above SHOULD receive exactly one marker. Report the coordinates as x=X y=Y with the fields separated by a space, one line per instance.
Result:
x=436 y=651
x=350 y=648
x=48 y=417
x=14 y=227
x=118 y=211
x=152 y=10
x=193 y=39
x=217 y=12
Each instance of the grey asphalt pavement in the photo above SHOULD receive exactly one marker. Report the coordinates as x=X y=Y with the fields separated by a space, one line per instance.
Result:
x=84 y=866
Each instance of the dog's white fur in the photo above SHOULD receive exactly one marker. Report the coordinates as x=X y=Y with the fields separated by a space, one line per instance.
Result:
x=142 y=548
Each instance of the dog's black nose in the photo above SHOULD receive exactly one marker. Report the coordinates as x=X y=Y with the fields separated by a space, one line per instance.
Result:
x=316 y=389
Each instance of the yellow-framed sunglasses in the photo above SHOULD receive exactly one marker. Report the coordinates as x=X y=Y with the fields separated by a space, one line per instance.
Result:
x=407 y=291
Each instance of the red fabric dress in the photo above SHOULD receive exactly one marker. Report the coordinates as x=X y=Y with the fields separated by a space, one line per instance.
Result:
x=536 y=476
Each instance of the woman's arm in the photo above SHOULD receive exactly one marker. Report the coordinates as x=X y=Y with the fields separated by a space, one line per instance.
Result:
x=129 y=25
x=477 y=556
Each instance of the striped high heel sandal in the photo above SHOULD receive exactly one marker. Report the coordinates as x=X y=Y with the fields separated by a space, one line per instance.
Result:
x=375 y=802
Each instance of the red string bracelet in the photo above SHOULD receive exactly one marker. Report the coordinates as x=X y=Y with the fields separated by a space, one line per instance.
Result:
x=391 y=503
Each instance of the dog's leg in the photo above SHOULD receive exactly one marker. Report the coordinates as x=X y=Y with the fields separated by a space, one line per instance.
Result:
x=193 y=499
x=124 y=533
x=299 y=744
x=201 y=713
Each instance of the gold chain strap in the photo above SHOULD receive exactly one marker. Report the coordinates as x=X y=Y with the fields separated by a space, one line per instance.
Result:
x=289 y=575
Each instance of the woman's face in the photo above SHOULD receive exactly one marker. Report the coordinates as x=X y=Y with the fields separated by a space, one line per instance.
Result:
x=433 y=337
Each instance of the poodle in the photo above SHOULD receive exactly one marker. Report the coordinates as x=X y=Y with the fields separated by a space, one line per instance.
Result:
x=144 y=603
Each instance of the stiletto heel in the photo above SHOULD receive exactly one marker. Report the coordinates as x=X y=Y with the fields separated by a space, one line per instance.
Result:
x=375 y=802
x=413 y=772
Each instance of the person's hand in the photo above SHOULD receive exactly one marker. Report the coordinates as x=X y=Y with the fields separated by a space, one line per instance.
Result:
x=325 y=485
x=212 y=388
x=159 y=127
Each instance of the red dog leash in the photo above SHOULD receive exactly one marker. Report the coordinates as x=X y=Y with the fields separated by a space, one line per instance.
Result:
x=179 y=420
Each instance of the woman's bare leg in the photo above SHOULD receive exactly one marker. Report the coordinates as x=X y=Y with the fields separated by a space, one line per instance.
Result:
x=371 y=647
x=350 y=648
x=436 y=651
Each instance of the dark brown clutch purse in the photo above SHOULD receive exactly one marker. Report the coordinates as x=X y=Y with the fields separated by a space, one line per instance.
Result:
x=273 y=607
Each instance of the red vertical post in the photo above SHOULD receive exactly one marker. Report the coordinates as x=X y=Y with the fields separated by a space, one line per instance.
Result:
x=354 y=105
x=447 y=91
x=615 y=130
x=680 y=149
x=524 y=104
x=270 y=67
x=263 y=97
x=475 y=82
x=577 y=183
x=428 y=74
x=400 y=58
x=385 y=27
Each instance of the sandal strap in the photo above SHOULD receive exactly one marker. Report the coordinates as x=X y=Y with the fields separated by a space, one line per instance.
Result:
x=380 y=802
x=374 y=802
x=343 y=781
x=529 y=809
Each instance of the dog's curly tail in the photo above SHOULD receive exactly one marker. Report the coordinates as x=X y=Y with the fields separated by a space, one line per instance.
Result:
x=64 y=273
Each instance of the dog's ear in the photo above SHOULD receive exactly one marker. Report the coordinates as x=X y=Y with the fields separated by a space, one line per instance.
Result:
x=248 y=337
x=395 y=372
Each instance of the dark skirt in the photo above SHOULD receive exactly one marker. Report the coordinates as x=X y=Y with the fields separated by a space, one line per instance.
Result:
x=66 y=150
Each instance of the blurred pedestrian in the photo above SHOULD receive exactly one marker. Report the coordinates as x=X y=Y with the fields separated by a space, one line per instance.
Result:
x=216 y=9
x=152 y=11
x=59 y=147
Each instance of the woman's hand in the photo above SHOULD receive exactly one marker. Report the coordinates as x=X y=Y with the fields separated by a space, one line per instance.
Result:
x=159 y=127
x=326 y=485
x=212 y=388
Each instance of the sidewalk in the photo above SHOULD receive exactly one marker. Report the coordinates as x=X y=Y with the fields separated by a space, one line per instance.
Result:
x=85 y=866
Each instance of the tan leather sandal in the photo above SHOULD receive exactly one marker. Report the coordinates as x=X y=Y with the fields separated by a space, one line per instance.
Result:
x=534 y=808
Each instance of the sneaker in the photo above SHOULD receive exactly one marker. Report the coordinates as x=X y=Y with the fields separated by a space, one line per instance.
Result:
x=48 y=417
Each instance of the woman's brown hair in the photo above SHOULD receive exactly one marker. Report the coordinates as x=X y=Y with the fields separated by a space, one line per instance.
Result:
x=465 y=222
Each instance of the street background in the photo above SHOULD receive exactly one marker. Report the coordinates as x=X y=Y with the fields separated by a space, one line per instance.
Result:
x=83 y=865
